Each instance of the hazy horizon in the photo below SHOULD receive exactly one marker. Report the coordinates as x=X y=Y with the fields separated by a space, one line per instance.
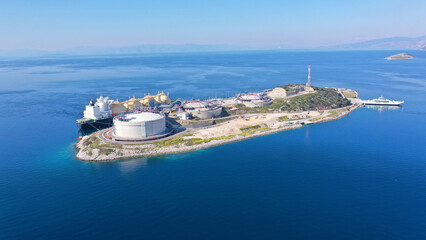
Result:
x=52 y=25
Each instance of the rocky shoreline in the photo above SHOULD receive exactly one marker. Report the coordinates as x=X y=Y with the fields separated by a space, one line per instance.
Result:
x=91 y=148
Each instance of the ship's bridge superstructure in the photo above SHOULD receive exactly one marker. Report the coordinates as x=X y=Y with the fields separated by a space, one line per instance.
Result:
x=100 y=109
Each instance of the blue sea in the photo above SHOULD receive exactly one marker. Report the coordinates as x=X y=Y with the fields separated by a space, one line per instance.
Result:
x=360 y=177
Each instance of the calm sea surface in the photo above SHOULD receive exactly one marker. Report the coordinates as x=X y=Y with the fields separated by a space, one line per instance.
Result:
x=360 y=177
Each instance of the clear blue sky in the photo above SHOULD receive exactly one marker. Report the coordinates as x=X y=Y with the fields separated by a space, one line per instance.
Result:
x=56 y=24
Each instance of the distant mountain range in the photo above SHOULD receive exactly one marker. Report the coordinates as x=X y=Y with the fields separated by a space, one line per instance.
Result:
x=387 y=43
x=148 y=48
x=418 y=43
x=158 y=48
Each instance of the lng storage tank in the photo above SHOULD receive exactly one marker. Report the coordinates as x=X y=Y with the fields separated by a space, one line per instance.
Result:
x=138 y=126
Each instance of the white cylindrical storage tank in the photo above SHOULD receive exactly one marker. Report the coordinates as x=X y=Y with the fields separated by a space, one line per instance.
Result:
x=202 y=109
x=139 y=125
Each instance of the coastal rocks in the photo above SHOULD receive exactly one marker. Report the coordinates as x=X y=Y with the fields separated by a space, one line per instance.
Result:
x=400 y=56
x=88 y=153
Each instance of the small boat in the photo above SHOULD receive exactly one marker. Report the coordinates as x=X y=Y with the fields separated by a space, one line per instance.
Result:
x=382 y=101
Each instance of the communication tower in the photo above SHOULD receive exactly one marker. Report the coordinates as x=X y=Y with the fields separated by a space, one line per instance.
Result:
x=309 y=76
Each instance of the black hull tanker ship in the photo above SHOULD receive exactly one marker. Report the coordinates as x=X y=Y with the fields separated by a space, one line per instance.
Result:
x=97 y=115
x=94 y=124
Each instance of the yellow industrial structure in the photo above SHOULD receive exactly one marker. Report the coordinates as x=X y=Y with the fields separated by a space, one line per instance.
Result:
x=149 y=100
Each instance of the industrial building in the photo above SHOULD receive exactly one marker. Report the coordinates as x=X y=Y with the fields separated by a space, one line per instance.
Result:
x=202 y=109
x=182 y=115
x=253 y=99
x=138 y=126
x=135 y=103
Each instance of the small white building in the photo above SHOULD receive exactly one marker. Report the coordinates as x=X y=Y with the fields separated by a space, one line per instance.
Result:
x=182 y=115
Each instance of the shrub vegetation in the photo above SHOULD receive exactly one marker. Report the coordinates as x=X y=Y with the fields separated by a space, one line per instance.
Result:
x=323 y=98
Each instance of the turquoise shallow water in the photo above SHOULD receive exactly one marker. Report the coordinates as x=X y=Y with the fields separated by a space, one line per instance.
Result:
x=360 y=177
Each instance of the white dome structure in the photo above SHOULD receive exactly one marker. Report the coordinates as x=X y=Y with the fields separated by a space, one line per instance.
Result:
x=138 y=126
x=250 y=97
x=253 y=99
x=202 y=109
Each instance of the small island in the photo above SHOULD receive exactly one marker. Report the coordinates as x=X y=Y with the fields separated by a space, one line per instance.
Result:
x=400 y=56
x=279 y=109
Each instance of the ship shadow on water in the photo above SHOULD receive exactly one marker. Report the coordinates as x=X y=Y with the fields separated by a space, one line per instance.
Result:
x=384 y=108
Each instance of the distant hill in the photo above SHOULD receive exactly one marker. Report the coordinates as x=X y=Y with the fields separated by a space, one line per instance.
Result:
x=387 y=43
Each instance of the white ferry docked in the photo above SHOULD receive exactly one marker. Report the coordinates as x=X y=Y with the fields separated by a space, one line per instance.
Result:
x=382 y=101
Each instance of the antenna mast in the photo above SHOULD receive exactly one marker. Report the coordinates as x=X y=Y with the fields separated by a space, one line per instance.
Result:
x=309 y=76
